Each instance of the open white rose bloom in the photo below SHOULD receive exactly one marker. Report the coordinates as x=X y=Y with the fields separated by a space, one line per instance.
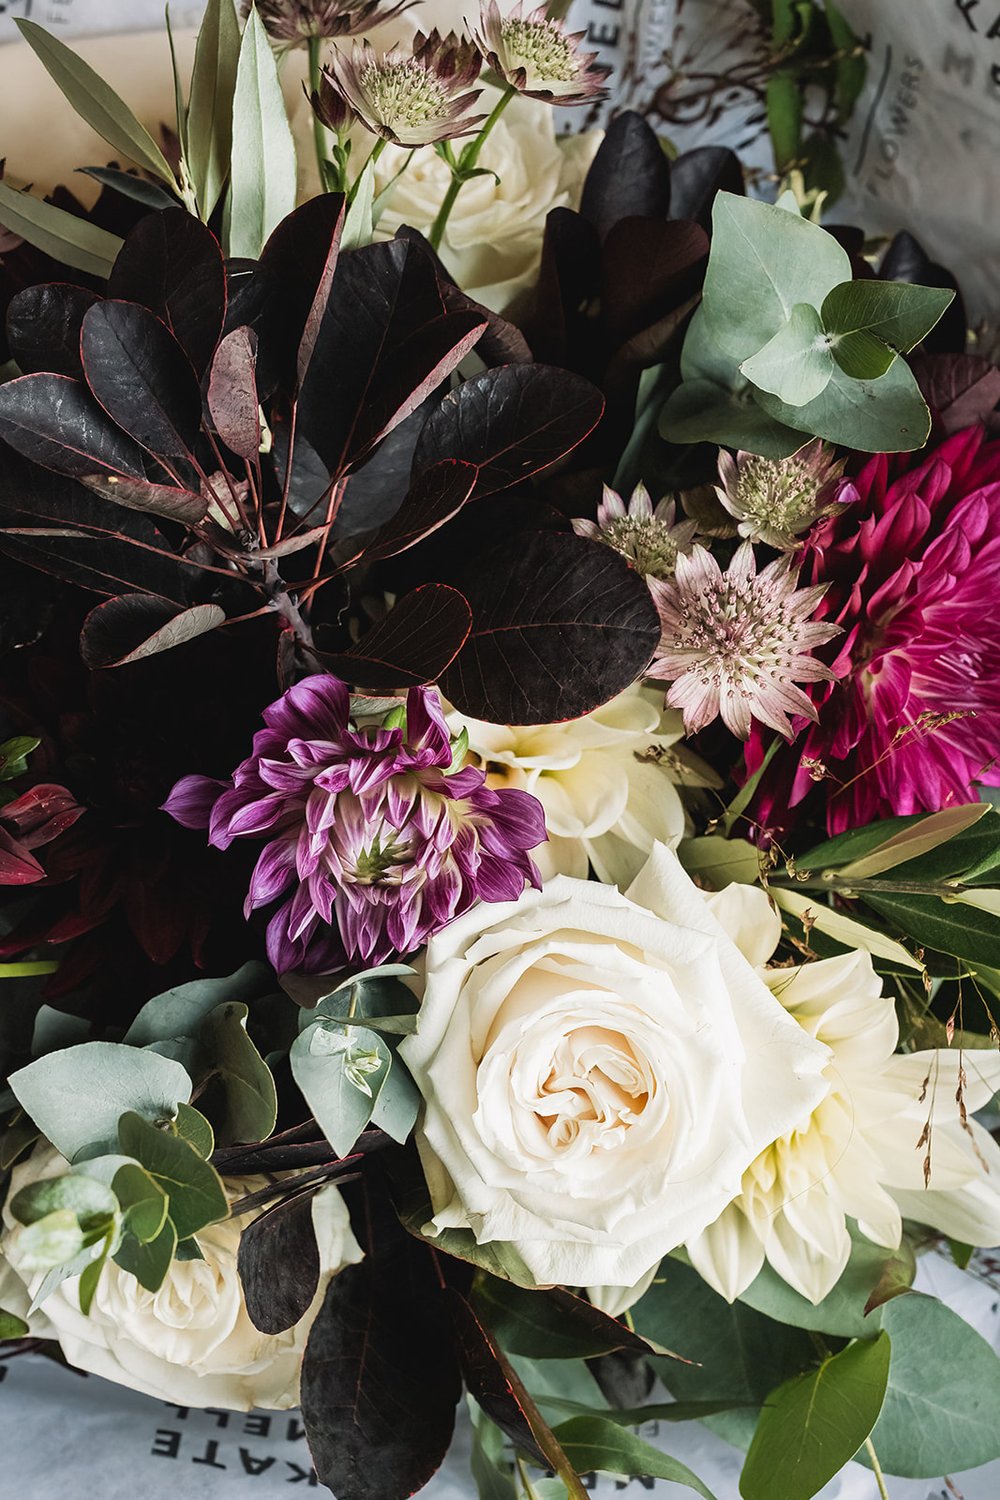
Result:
x=191 y=1342
x=886 y=1139
x=598 y=1071
x=609 y=782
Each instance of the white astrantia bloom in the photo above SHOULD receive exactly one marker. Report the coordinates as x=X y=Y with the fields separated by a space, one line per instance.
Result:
x=598 y=1071
x=865 y=1152
x=608 y=783
x=190 y=1343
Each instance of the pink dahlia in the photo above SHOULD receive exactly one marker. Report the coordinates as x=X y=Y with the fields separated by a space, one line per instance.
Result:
x=377 y=840
x=736 y=644
x=911 y=574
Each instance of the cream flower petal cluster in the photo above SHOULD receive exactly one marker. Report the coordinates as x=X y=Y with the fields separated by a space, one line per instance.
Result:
x=607 y=782
x=863 y=1152
x=191 y=1342
x=598 y=1071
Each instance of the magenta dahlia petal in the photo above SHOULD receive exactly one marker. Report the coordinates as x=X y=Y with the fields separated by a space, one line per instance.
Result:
x=373 y=845
x=191 y=801
x=909 y=573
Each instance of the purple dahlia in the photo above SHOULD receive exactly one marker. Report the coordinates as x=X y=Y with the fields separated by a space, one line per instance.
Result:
x=911 y=575
x=371 y=838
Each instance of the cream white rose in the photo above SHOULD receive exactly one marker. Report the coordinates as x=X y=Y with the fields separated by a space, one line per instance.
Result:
x=598 y=1071
x=863 y=1153
x=494 y=236
x=192 y=1342
x=608 y=782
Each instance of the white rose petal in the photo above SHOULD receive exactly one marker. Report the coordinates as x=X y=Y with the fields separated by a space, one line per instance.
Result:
x=192 y=1342
x=598 y=1071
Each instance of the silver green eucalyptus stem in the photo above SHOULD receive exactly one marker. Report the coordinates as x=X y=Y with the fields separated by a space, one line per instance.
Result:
x=466 y=166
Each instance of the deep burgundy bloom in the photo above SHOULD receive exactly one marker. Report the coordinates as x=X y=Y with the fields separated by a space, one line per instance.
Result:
x=36 y=817
x=912 y=574
x=377 y=840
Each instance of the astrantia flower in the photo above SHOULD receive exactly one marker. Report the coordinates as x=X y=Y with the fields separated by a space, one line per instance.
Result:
x=536 y=55
x=378 y=844
x=887 y=1140
x=297 y=21
x=910 y=572
x=651 y=539
x=410 y=98
x=775 y=500
x=737 y=643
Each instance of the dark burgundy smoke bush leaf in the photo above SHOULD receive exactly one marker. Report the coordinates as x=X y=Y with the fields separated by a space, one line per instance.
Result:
x=514 y=422
x=172 y=264
x=127 y=628
x=629 y=175
x=43 y=327
x=279 y=1266
x=560 y=624
x=55 y=421
x=415 y=642
x=141 y=376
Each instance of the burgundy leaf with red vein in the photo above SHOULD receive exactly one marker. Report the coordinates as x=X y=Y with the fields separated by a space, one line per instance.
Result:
x=413 y=644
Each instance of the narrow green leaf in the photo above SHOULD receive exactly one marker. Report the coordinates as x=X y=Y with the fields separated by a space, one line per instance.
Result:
x=784 y=119
x=813 y=1425
x=210 y=106
x=358 y=225
x=262 y=164
x=957 y=929
x=180 y=112
x=597 y=1444
x=916 y=839
x=91 y=1275
x=796 y=364
x=11 y=1326
x=843 y=929
x=95 y=102
x=73 y=241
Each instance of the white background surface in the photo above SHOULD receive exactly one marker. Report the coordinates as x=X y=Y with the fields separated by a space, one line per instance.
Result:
x=66 y=1435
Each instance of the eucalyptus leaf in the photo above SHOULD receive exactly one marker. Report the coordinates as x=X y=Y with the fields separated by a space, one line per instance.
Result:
x=180 y=1011
x=52 y=1242
x=251 y=1098
x=89 y=1201
x=814 y=1424
x=797 y=363
x=764 y=261
x=398 y=1102
x=262 y=164
x=77 y=1096
x=148 y=1262
x=340 y=1073
x=192 y=1127
x=888 y=415
x=65 y=236
x=893 y=312
x=943 y=1393
x=193 y=1187
x=95 y=102
x=842 y=1311
x=142 y=1200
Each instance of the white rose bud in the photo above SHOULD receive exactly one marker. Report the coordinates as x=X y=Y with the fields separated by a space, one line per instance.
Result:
x=191 y=1342
x=598 y=1071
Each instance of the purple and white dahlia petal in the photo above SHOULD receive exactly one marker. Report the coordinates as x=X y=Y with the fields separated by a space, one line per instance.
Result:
x=370 y=838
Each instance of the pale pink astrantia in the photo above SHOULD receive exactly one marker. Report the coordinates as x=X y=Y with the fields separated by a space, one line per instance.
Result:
x=537 y=55
x=411 y=98
x=372 y=841
x=776 y=500
x=737 y=643
x=650 y=539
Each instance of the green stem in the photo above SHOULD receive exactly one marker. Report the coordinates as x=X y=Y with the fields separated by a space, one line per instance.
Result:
x=319 y=129
x=466 y=163
x=859 y=884
x=876 y=1468
x=27 y=970
x=376 y=152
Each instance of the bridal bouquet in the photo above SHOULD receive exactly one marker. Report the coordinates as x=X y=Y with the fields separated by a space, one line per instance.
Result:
x=498 y=795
